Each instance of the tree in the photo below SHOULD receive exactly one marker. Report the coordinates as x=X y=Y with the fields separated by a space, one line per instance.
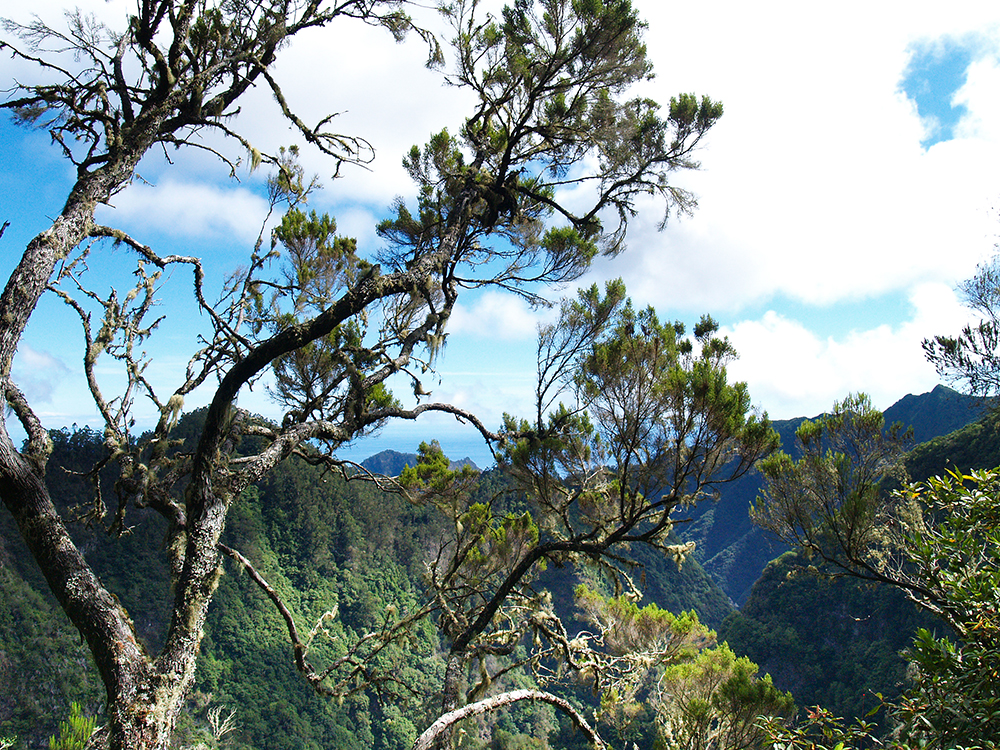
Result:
x=831 y=502
x=74 y=731
x=971 y=357
x=716 y=701
x=953 y=550
x=936 y=541
x=654 y=425
x=548 y=79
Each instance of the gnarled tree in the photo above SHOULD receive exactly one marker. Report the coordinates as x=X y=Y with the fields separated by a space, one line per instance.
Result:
x=548 y=80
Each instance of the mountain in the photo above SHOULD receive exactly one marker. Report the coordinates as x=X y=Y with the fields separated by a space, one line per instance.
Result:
x=940 y=412
x=392 y=463
x=735 y=552
x=329 y=544
x=833 y=642
x=731 y=549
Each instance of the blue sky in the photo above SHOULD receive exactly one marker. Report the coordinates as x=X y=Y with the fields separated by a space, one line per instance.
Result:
x=852 y=182
x=936 y=73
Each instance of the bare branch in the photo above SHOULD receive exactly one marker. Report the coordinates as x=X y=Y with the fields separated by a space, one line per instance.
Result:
x=39 y=442
x=430 y=735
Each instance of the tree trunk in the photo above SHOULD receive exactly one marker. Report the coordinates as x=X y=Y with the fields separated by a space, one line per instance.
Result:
x=142 y=705
x=144 y=696
x=450 y=699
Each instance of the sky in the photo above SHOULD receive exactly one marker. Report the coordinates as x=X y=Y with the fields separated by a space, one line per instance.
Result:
x=851 y=184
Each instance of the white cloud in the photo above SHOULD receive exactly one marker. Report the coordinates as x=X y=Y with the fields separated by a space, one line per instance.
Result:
x=793 y=372
x=815 y=184
x=38 y=373
x=185 y=210
x=488 y=395
x=978 y=96
x=495 y=316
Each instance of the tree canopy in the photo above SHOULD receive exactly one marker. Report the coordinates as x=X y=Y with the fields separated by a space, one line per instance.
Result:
x=653 y=425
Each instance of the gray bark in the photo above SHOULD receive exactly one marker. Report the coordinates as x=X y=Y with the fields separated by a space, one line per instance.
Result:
x=444 y=724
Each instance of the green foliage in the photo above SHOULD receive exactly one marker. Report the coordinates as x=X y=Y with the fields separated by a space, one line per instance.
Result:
x=626 y=651
x=549 y=76
x=323 y=377
x=433 y=476
x=627 y=628
x=716 y=700
x=658 y=668
x=954 y=550
x=395 y=731
x=74 y=730
x=831 y=502
x=821 y=730
x=831 y=641
x=937 y=541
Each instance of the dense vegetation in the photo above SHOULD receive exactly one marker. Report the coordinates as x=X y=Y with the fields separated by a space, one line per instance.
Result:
x=735 y=552
x=325 y=544
x=433 y=608
x=833 y=642
x=836 y=642
x=540 y=178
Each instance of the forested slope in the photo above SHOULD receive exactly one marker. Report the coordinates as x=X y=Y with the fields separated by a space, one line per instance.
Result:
x=326 y=545
x=835 y=642
x=735 y=552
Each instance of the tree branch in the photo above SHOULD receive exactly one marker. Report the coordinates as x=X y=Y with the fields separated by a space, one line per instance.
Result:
x=426 y=740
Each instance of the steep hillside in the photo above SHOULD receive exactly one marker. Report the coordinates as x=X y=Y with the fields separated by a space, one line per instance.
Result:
x=974 y=446
x=734 y=552
x=836 y=641
x=940 y=412
x=833 y=642
x=326 y=545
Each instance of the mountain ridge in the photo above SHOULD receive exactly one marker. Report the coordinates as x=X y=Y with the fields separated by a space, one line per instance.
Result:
x=735 y=553
x=391 y=463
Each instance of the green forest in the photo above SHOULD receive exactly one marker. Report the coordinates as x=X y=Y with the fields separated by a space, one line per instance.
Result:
x=329 y=544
